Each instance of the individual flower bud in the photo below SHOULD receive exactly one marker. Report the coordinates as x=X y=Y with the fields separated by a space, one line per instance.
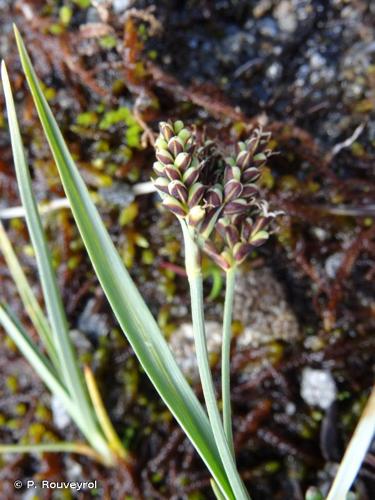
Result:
x=161 y=184
x=214 y=196
x=250 y=174
x=161 y=143
x=249 y=190
x=241 y=251
x=183 y=161
x=195 y=216
x=184 y=135
x=196 y=193
x=164 y=156
x=221 y=226
x=178 y=126
x=259 y=159
x=175 y=146
x=191 y=176
x=259 y=238
x=174 y=206
x=236 y=207
x=244 y=158
x=209 y=222
x=158 y=168
x=172 y=172
x=223 y=260
x=166 y=130
x=232 y=235
x=232 y=190
x=260 y=223
x=178 y=191
x=232 y=173
x=246 y=228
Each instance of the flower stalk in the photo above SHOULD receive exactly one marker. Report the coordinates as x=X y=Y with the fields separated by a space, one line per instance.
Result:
x=195 y=278
x=218 y=204
x=225 y=355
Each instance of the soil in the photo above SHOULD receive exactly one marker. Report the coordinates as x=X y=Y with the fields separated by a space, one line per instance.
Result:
x=305 y=70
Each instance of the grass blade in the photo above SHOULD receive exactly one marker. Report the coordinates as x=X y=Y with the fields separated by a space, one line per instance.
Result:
x=62 y=447
x=69 y=367
x=46 y=372
x=29 y=301
x=132 y=313
x=355 y=452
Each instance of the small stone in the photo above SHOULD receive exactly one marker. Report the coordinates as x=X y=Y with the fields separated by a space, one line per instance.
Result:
x=333 y=263
x=60 y=416
x=274 y=71
x=183 y=348
x=119 y=6
x=286 y=17
x=318 y=388
x=260 y=305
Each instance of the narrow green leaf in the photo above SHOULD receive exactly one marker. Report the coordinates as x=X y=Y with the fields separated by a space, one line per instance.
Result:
x=60 y=447
x=44 y=369
x=131 y=311
x=69 y=367
x=28 y=298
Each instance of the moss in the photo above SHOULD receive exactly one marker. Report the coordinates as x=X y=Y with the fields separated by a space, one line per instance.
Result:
x=65 y=14
x=11 y=383
x=129 y=214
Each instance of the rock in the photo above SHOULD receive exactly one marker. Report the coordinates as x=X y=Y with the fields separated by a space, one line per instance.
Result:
x=182 y=345
x=91 y=323
x=260 y=305
x=333 y=263
x=60 y=416
x=286 y=17
x=120 y=6
x=318 y=388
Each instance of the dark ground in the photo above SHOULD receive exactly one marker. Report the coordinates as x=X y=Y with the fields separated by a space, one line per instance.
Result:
x=306 y=70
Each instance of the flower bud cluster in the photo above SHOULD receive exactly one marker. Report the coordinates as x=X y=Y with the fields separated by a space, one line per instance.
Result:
x=178 y=172
x=225 y=202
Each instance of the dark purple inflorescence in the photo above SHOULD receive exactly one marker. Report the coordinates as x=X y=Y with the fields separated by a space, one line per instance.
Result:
x=224 y=202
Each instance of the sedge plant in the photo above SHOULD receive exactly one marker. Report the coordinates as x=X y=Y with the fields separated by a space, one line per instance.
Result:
x=62 y=375
x=222 y=214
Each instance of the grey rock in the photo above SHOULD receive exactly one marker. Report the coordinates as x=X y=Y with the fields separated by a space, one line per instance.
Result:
x=318 y=388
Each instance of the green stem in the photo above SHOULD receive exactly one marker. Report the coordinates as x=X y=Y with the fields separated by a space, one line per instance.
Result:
x=194 y=272
x=225 y=356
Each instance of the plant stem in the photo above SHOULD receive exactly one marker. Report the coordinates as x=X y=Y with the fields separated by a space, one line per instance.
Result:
x=194 y=272
x=225 y=356
x=355 y=452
